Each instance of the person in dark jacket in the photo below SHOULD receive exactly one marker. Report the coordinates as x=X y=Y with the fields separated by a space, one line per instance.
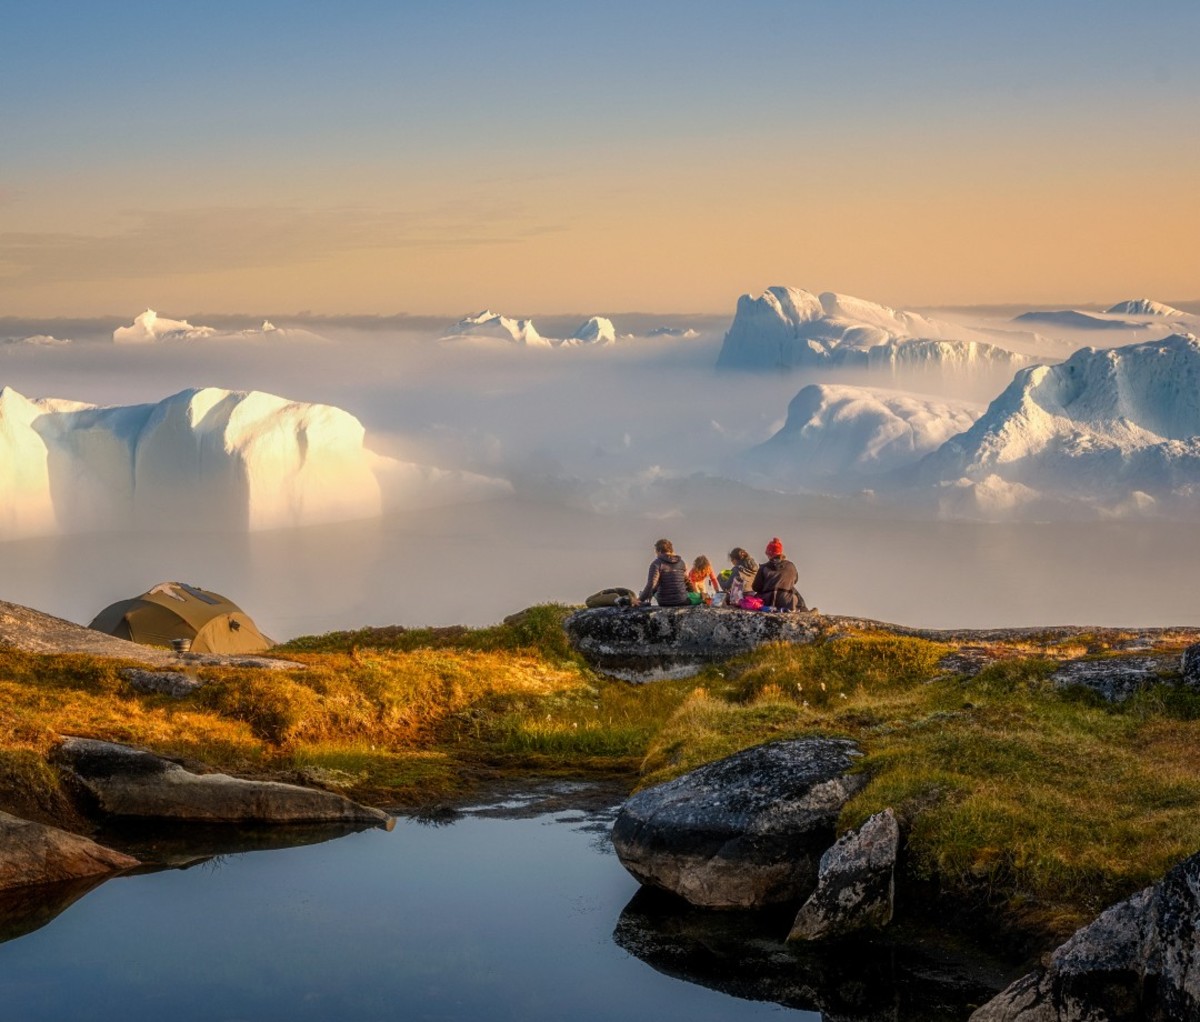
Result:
x=775 y=581
x=744 y=567
x=667 y=578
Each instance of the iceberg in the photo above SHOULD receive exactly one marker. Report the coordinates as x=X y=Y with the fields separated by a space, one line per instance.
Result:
x=838 y=438
x=488 y=325
x=786 y=328
x=209 y=459
x=1098 y=428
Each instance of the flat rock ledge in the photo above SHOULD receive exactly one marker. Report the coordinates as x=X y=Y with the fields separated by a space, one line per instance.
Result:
x=31 y=853
x=129 y=782
x=1139 y=961
x=744 y=832
x=31 y=631
x=856 y=883
x=658 y=643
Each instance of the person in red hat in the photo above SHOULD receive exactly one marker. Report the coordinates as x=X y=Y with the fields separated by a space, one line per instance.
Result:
x=775 y=581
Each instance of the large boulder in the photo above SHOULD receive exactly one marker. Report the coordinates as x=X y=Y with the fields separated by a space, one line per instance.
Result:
x=31 y=853
x=856 y=883
x=130 y=782
x=744 y=832
x=1190 y=667
x=1139 y=961
x=653 y=643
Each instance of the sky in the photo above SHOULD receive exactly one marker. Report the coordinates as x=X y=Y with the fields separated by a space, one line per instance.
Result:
x=551 y=157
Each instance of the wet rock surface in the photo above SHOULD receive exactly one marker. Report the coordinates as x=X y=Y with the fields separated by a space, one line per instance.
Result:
x=129 y=782
x=1139 y=961
x=653 y=643
x=856 y=883
x=743 y=832
x=31 y=853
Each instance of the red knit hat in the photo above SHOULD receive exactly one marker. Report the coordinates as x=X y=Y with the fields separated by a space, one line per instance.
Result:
x=775 y=548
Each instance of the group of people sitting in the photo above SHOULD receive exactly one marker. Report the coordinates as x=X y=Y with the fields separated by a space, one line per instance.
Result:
x=746 y=583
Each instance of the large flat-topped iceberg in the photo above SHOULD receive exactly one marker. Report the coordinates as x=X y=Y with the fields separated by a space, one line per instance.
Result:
x=208 y=459
x=786 y=328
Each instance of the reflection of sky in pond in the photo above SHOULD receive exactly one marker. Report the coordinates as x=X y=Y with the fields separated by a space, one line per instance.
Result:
x=485 y=919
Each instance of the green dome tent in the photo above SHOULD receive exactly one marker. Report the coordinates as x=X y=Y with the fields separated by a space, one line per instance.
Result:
x=174 y=610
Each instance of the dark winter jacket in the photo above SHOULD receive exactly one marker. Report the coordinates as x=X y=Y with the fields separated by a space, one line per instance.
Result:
x=668 y=581
x=747 y=569
x=775 y=582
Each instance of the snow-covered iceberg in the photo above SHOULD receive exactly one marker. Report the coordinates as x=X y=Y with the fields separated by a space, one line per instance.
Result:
x=151 y=328
x=36 y=341
x=839 y=438
x=488 y=325
x=208 y=459
x=1144 y=307
x=596 y=331
x=1116 y=428
x=786 y=328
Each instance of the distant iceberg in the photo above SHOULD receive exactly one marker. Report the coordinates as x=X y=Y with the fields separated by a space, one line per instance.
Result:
x=208 y=459
x=1144 y=307
x=491 y=326
x=151 y=328
x=838 y=438
x=786 y=328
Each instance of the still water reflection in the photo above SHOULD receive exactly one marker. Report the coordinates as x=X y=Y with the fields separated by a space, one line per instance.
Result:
x=487 y=918
x=512 y=910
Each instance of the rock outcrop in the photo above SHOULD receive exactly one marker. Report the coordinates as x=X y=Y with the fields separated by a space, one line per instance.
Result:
x=31 y=853
x=167 y=683
x=1137 y=962
x=31 y=631
x=744 y=832
x=1114 y=679
x=656 y=643
x=856 y=883
x=1189 y=667
x=128 y=782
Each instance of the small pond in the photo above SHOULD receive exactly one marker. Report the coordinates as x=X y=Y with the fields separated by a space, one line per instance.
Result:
x=512 y=910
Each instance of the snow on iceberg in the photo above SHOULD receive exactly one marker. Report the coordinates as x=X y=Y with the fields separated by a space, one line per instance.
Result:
x=37 y=341
x=836 y=437
x=1097 y=428
x=786 y=328
x=488 y=325
x=151 y=328
x=207 y=459
x=1144 y=307
x=596 y=331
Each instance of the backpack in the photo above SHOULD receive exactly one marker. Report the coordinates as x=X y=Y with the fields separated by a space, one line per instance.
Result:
x=611 y=598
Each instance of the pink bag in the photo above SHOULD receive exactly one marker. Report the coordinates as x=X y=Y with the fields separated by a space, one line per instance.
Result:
x=750 y=603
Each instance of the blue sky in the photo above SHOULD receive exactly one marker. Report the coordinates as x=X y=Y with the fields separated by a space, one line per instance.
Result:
x=561 y=118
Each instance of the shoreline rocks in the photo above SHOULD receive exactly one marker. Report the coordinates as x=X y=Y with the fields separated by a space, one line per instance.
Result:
x=128 y=782
x=1139 y=960
x=856 y=883
x=31 y=853
x=743 y=832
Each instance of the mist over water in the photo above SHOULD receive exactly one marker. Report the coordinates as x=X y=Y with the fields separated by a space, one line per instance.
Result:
x=607 y=450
